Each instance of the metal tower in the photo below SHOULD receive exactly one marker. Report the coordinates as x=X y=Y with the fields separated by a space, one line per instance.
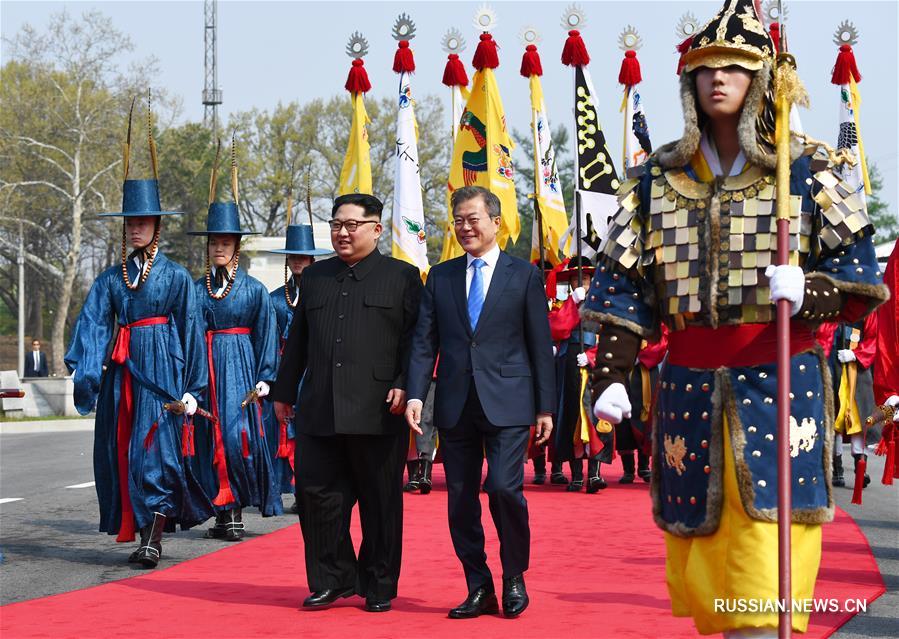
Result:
x=212 y=95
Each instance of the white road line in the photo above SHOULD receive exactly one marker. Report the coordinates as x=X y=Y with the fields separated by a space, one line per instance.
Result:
x=6 y=500
x=86 y=484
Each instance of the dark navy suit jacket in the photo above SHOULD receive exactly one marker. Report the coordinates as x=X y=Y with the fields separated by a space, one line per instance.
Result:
x=508 y=356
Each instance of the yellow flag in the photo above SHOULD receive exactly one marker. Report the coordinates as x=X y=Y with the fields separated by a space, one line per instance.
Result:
x=355 y=176
x=482 y=154
x=547 y=187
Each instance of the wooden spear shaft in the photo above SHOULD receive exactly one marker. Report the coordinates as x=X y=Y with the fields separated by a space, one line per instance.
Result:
x=784 y=473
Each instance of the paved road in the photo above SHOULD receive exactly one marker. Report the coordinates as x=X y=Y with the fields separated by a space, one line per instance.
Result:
x=50 y=541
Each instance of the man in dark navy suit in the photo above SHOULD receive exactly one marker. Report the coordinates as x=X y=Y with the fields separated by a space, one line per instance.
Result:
x=36 y=361
x=485 y=313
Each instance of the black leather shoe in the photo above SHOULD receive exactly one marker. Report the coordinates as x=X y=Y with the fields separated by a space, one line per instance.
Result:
x=480 y=601
x=595 y=484
x=327 y=596
x=373 y=604
x=515 y=596
x=539 y=479
x=425 y=481
x=149 y=554
x=575 y=486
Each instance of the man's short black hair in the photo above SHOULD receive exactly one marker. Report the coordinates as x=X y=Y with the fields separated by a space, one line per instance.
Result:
x=465 y=193
x=372 y=206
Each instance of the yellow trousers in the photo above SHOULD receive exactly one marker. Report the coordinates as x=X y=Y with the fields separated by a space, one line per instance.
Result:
x=738 y=561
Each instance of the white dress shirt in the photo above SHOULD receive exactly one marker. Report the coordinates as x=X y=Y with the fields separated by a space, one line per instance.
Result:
x=37 y=361
x=490 y=259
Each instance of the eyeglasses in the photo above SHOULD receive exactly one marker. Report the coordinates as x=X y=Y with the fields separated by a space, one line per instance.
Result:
x=459 y=222
x=350 y=225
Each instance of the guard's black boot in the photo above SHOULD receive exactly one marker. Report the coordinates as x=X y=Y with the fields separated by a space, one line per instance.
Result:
x=425 y=465
x=577 y=476
x=134 y=557
x=556 y=476
x=643 y=471
x=150 y=553
x=218 y=528
x=414 y=470
x=627 y=463
x=838 y=478
x=595 y=482
x=858 y=457
x=233 y=525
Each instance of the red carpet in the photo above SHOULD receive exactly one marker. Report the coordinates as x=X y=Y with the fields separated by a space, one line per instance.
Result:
x=597 y=569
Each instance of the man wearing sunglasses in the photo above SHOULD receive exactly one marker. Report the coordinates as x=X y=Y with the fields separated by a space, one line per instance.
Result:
x=350 y=336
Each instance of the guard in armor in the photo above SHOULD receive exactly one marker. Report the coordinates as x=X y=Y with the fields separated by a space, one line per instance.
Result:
x=849 y=349
x=692 y=247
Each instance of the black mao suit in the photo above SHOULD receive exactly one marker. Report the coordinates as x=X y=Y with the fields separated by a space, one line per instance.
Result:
x=349 y=342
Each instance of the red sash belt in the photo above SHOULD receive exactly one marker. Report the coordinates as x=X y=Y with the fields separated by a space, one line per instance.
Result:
x=224 y=496
x=733 y=346
x=121 y=353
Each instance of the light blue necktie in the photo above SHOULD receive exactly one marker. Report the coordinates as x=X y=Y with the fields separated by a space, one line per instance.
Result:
x=476 y=292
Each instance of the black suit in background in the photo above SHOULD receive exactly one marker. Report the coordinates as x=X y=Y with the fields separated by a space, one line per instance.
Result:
x=491 y=383
x=40 y=370
x=350 y=335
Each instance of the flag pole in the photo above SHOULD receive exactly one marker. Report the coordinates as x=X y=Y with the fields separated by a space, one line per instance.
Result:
x=786 y=67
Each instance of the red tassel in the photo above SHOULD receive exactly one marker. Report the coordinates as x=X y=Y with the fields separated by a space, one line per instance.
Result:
x=282 y=440
x=185 y=439
x=682 y=49
x=485 y=56
x=774 y=30
x=357 y=80
x=148 y=440
x=574 y=53
x=530 y=62
x=403 y=62
x=860 y=469
x=629 y=75
x=454 y=73
x=245 y=443
x=845 y=66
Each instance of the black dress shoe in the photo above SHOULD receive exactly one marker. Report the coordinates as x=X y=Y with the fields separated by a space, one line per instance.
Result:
x=373 y=604
x=327 y=596
x=575 y=486
x=515 y=596
x=539 y=479
x=480 y=601
x=595 y=484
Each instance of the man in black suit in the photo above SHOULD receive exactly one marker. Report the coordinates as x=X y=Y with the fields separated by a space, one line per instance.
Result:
x=350 y=336
x=36 y=361
x=485 y=313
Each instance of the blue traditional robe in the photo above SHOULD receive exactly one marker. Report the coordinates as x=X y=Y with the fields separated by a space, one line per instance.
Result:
x=239 y=361
x=169 y=356
x=284 y=472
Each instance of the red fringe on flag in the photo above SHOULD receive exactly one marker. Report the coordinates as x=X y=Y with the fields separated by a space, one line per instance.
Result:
x=530 y=62
x=574 y=54
x=845 y=66
x=682 y=49
x=774 y=30
x=629 y=75
x=485 y=56
x=454 y=73
x=403 y=62
x=357 y=81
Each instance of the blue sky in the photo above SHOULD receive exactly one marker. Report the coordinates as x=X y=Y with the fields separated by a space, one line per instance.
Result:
x=282 y=51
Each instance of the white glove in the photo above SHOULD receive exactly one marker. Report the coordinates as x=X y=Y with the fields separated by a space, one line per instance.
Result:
x=190 y=403
x=845 y=356
x=787 y=283
x=893 y=400
x=613 y=405
x=262 y=389
x=555 y=351
x=579 y=294
x=582 y=360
